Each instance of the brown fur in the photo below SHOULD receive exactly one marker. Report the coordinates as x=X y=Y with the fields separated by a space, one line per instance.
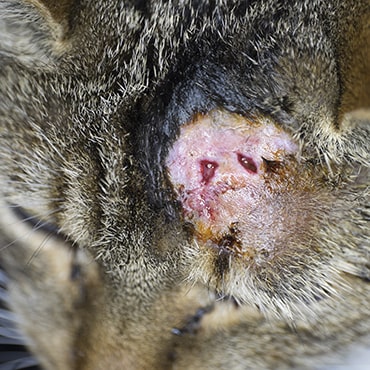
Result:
x=105 y=274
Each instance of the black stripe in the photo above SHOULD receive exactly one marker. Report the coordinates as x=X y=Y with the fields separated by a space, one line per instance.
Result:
x=33 y=221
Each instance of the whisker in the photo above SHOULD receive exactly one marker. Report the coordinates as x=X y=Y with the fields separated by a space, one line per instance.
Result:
x=40 y=225
x=34 y=219
x=39 y=248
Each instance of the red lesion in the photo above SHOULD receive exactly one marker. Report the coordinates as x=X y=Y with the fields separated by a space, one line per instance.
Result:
x=248 y=163
x=208 y=169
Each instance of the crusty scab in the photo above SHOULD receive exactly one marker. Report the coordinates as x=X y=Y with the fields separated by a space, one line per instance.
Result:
x=253 y=204
x=271 y=166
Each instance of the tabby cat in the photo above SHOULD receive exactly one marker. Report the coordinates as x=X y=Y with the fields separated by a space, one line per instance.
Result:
x=184 y=184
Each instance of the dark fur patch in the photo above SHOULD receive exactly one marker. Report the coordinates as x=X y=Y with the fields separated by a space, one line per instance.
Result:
x=222 y=265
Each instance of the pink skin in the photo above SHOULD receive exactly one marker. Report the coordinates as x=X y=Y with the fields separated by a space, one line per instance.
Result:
x=218 y=171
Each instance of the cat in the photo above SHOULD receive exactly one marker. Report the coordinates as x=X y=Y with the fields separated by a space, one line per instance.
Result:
x=184 y=184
